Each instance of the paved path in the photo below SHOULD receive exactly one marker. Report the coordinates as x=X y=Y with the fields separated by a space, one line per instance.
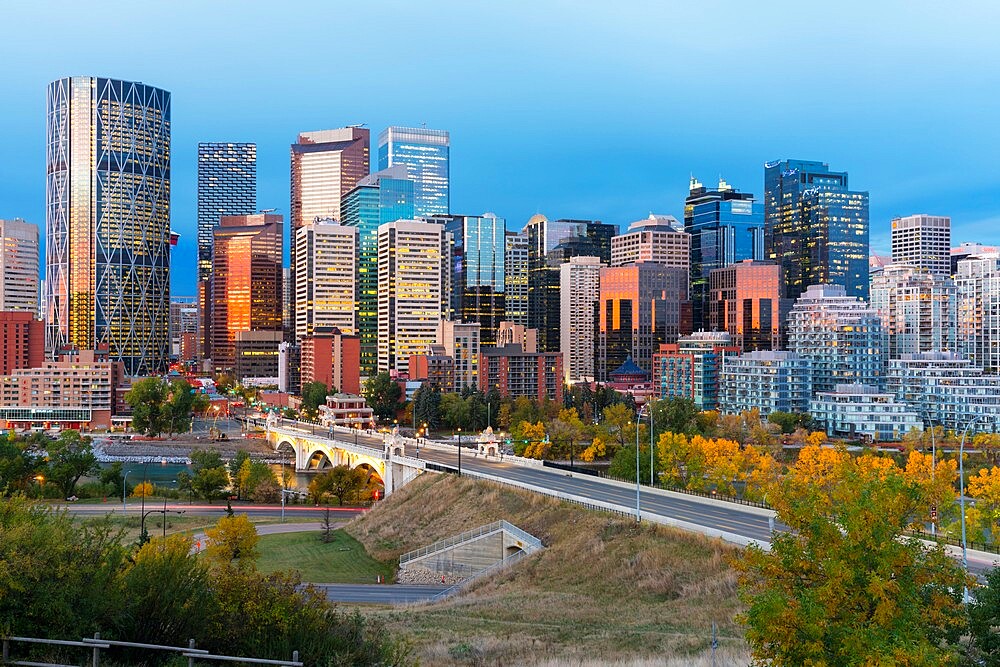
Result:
x=380 y=593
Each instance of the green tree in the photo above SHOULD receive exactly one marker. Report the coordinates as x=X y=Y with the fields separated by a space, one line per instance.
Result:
x=112 y=476
x=567 y=432
x=313 y=395
x=427 y=406
x=984 y=618
x=675 y=414
x=71 y=457
x=147 y=398
x=382 y=394
x=618 y=424
x=788 y=421
x=210 y=476
x=20 y=460
x=340 y=482
x=178 y=407
x=623 y=463
x=844 y=586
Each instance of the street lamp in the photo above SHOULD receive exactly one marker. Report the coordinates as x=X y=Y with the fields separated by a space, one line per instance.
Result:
x=41 y=486
x=142 y=524
x=459 y=452
x=961 y=496
x=124 y=508
x=650 y=442
x=638 y=418
x=933 y=466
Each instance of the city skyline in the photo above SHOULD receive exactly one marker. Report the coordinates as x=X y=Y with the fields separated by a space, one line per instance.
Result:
x=907 y=170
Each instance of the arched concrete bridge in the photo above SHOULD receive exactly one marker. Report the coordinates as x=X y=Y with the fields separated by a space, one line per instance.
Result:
x=317 y=448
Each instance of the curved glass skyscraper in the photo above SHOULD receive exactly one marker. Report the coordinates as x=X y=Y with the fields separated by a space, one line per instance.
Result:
x=107 y=220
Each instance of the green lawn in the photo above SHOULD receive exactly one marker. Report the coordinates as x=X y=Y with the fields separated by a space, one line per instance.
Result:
x=342 y=560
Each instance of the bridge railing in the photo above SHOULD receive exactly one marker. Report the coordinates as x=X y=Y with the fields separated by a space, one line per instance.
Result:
x=532 y=542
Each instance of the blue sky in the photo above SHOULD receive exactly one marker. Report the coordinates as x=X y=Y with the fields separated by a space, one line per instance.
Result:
x=573 y=109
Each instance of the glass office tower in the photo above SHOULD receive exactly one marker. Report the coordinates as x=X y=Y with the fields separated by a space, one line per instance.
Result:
x=478 y=258
x=107 y=220
x=426 y=156
x=726 y=226
x=815 y=227
x=385 y=196
x=227 y=185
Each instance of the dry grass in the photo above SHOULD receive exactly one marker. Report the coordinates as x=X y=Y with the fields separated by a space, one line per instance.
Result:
x=604 y=591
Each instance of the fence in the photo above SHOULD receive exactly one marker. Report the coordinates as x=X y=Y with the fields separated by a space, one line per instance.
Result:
x=955 y=542
x=530 y=540
x=95 y=645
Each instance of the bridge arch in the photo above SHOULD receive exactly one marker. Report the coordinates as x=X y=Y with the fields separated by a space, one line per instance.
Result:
x=319 y=460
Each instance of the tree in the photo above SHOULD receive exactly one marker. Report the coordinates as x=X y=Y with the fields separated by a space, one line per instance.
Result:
x=210 y=476
x=566 y=431
x=382 y=394
x=233 y=540
x=617 y=424
x=985 y=488
x=340 y=482
x=178 y=407
x=623 y=463
x=147 y=398
x=20 y=460
x=143 y=490
x=71 y=457
x=843 y=586
x=788 y=421
x=255 y=479
x=112 y=476
x=313 y=395
x=984 y=618
x=676 y=414
x=525 y=434
x=427 y=406
x=235 y=464
x=327 y=526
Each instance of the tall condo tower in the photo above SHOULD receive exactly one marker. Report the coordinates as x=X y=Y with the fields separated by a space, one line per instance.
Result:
x=227 y=185
x=815 y=227
x=18 y=265
x=107 y=220
x=924 y=242
x=425 y=153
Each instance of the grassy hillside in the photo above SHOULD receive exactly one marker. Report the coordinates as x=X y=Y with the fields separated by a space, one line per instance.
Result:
x=603 y=590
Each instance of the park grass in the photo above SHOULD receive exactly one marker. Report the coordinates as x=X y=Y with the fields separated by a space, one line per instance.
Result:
x=176 y=523
x=342 y=560
x=604 y=591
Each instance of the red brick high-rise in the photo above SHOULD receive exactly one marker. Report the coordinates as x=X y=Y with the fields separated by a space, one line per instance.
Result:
x=22 y=341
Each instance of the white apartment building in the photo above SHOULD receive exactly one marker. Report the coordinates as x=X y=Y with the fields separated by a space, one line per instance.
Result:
x=978 y=281
x=858 y=410
x=841 y=335
x=923 y=241
x=659 y=239
x=766 y=380
x=413 y=289
x=946 y=390
x=325 y=278
x=19 y=266
x=919 y=310
x=579 y=292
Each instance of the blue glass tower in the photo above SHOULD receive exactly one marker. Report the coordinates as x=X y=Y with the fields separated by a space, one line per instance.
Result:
x=815 y=227
x=385 y=196
x=426 y=156
x=726 y=226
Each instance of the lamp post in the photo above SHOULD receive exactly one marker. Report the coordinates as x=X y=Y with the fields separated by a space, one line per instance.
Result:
x=638 y=417
x=459 y=452
x=651 y=442
x=142 y=523
x=124 y=479
x=933 y=467
x=41 y=486
x=961 y=497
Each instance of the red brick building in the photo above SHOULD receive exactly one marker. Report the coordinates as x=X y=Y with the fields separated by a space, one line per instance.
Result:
x=22 y=341
x=334 y=359
x=514 y=372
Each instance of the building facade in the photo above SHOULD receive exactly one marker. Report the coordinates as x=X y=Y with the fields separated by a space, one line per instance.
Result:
x=325 y=278
x=726 y=226
x=19 y=276
x=227 y=185
x=385 y=196
x=515 y=278
x=639 y=309
x=745 y=300
x=183 y=319
x=333 y=358
x=256 y=356
x=690 y=367
x=414 y=285
x=461 y=342
x=426 y=155
x=107 y=220
x=923 y=242
x=23 y=341
x=841 y=336
x=978 y=283
x=765 y=380
x=514 y=372
x=659 y=239
x=246 y=281
x=919 y=310
x=815 y=227
x=862 y=411
x=579 y=292
x=946 y=390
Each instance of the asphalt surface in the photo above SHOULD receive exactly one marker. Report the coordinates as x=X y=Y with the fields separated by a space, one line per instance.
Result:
x=393 y=594
x=215 y=510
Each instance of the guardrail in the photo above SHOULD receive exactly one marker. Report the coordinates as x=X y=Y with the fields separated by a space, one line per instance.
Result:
x=451 y=541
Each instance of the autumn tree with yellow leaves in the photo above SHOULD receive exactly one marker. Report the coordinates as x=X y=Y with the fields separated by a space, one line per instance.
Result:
x=844 y=586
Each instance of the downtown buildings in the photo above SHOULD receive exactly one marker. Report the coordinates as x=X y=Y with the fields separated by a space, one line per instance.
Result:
x=19 y=282
x=426 y=155
x=107 y=220
x=918 y=309
x=745 y=300
x=923 y=242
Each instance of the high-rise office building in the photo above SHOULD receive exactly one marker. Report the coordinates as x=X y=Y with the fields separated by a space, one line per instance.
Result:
x=413 y=287
x=639 y=309
x=425 y=153
x=978 y=281
x=745 y=300
x=246 y=281
x=227 y=185
x=23 y=337
x=107 y=220
x=385 y=196
x=659 y=239
x=460 y=342
x=325 y=278
x=841 y=335
x=551 y=243
x=579 y=291
x=919 y=310
x=726 y=226
x=516 y=278
x=183 y=320
x=478 y=255
x=19 y=276
x=815 y=227
x=924 y=242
